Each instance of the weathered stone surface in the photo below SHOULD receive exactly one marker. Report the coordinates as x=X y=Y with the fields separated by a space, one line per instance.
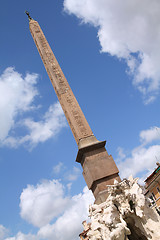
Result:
x=99 y=170
x=75 y=117
x=124 y=215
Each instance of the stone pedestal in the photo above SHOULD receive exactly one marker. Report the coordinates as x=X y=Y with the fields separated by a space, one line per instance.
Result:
x=99 y=168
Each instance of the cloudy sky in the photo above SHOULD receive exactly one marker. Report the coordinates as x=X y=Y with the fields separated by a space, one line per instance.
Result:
x=109 y=52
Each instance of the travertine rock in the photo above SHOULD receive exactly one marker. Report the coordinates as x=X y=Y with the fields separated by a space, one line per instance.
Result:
x=124 y=215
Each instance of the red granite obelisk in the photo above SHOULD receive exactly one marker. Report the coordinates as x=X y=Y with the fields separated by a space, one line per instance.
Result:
x=99 y=168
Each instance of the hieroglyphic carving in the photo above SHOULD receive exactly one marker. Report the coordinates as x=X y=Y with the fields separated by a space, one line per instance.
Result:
x=49 y=60
x=71 y=108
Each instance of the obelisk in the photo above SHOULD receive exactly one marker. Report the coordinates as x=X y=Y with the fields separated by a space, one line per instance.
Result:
x=99 y=168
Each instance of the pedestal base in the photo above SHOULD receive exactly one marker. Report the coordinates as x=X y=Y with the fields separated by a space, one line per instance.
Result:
x=99 y=168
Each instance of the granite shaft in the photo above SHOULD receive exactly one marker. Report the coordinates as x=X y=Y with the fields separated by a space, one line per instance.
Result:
x=75 y=117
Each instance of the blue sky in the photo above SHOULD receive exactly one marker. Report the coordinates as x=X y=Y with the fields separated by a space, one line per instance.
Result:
x=109 y=53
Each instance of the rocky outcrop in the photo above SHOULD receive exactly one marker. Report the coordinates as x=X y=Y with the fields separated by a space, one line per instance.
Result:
x=124 y=215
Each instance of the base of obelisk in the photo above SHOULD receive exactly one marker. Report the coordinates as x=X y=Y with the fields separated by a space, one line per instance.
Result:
x=99 y=168
x=124 y=215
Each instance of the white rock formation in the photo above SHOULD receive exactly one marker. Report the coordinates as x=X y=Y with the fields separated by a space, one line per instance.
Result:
x=124 y=215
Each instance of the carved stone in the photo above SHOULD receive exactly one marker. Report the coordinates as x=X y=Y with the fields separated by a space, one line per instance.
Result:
x=124 y=215
x=75 y=117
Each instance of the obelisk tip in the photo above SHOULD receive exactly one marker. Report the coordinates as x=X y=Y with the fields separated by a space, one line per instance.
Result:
x=29 y=17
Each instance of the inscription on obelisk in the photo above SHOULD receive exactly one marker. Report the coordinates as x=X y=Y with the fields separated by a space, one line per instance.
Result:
x=71 y=108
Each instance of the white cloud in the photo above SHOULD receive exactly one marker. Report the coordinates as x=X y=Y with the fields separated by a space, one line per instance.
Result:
x=142 y=160
x=40 y=204
x=150 y=135
x=69 y=185
x=53 y=121
x=3 y=232
x=121 y=154
x=21 y=236
x=68 y=175
x=72 y=176
x=128 y=30
x=17 y=94
x=57 y=169
x=69 y=225
x=39 y=131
